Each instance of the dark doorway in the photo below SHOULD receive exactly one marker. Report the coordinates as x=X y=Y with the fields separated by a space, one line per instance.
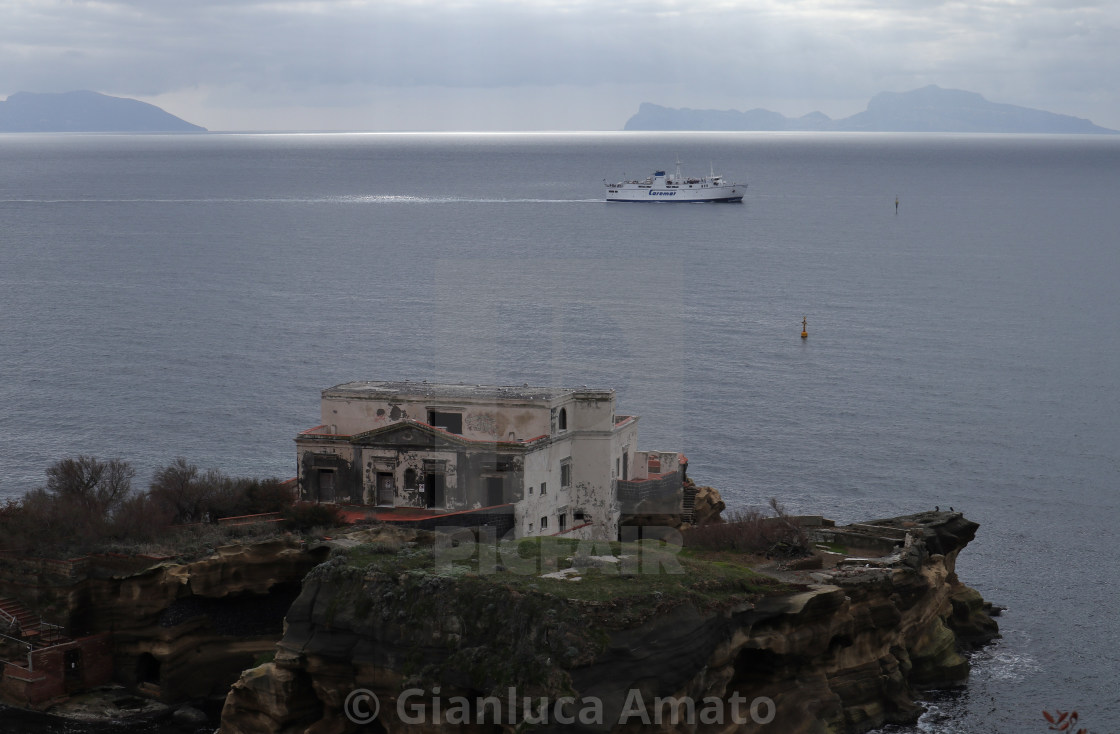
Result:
x=326 y=485
x=495 y=491
x=147 y=669
x=386 y=489
x=72 y=661
x=433 y=485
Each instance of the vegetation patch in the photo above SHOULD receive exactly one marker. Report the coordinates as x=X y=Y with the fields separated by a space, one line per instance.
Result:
x=89 y=505
x=486 y=616
x=752 y=531
x=602 y=578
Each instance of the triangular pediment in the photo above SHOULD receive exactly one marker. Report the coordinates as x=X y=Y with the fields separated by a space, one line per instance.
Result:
x=410 y=433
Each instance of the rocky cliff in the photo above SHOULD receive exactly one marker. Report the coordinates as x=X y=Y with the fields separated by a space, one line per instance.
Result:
x=186 y=630
x=180 y=630
x=842 y=648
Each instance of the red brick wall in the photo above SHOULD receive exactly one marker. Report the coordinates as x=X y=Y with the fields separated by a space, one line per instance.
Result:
x=47 y=679
x=97 y=658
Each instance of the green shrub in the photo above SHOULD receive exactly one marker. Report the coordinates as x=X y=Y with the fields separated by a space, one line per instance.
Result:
x=303 y=516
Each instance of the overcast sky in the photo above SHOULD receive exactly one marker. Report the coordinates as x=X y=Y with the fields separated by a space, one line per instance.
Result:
x=553 y=64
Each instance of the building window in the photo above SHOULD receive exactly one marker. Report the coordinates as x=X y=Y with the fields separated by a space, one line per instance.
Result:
x=563 y=521
x=544 y=488
x=566 y=472
x=579 y=516
x=450 y=422
x=562 y=421
x=410 y=478
x=544 y=523
x=530 y=527
x=530 y=489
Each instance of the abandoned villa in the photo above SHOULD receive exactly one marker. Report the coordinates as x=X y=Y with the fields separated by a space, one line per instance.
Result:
x=531 y=460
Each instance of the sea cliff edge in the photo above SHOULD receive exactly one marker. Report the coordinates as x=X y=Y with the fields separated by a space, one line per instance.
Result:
x=842 y=645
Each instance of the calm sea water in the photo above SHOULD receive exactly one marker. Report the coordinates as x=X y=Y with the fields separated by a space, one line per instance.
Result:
x=165 y=296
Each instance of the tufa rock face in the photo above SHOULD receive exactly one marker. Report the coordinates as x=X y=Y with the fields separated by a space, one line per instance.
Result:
x=709 y=506
x=846 y=653
x=180 y=630
x=699 y=505
x=185 y=631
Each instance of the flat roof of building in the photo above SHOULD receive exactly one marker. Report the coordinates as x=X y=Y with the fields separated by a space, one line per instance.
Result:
x=374 y=389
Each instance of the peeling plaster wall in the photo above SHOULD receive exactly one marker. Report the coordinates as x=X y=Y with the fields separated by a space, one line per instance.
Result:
x=588 y=413
x=479 y=467
x=482 y=422
x=542 y=465
x=505 y=423
x=397 y=462
x=350 y=416
x=592 y=487
x=590 y=438
x=592 y=455
x=668 y=461
x=624 y=441
x=465 y=476
x=314 y=455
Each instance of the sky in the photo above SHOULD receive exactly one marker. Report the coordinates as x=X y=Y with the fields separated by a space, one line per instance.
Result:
x=498 y=65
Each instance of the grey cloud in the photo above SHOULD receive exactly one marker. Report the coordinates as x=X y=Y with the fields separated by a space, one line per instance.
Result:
x=728 y=53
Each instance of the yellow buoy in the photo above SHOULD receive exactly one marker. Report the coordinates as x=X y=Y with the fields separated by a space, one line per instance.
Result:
x=804 y=328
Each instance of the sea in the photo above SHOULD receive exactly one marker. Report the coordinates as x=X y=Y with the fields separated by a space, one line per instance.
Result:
x=168 y=296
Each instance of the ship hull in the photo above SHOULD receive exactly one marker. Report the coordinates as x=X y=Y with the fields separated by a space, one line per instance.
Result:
x=664 y=188
x=722 y=194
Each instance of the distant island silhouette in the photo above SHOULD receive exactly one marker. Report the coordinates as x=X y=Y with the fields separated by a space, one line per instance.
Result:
x=28 y=112
x=929 y=109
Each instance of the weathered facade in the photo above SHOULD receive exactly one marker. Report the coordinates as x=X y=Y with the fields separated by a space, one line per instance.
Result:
x=556 y=455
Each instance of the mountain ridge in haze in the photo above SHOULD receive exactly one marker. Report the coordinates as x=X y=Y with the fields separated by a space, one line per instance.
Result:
x=929 y=109
x=84 y=111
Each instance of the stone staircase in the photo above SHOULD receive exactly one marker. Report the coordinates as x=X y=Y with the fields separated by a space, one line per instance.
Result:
x=24 y=624
x=688 y=504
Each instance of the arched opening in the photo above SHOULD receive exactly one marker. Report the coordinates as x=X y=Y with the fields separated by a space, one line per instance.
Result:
x=562 y=420
x=147 y=669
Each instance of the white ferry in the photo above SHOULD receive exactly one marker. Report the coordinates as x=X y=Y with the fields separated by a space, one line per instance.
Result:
x=676 y=188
